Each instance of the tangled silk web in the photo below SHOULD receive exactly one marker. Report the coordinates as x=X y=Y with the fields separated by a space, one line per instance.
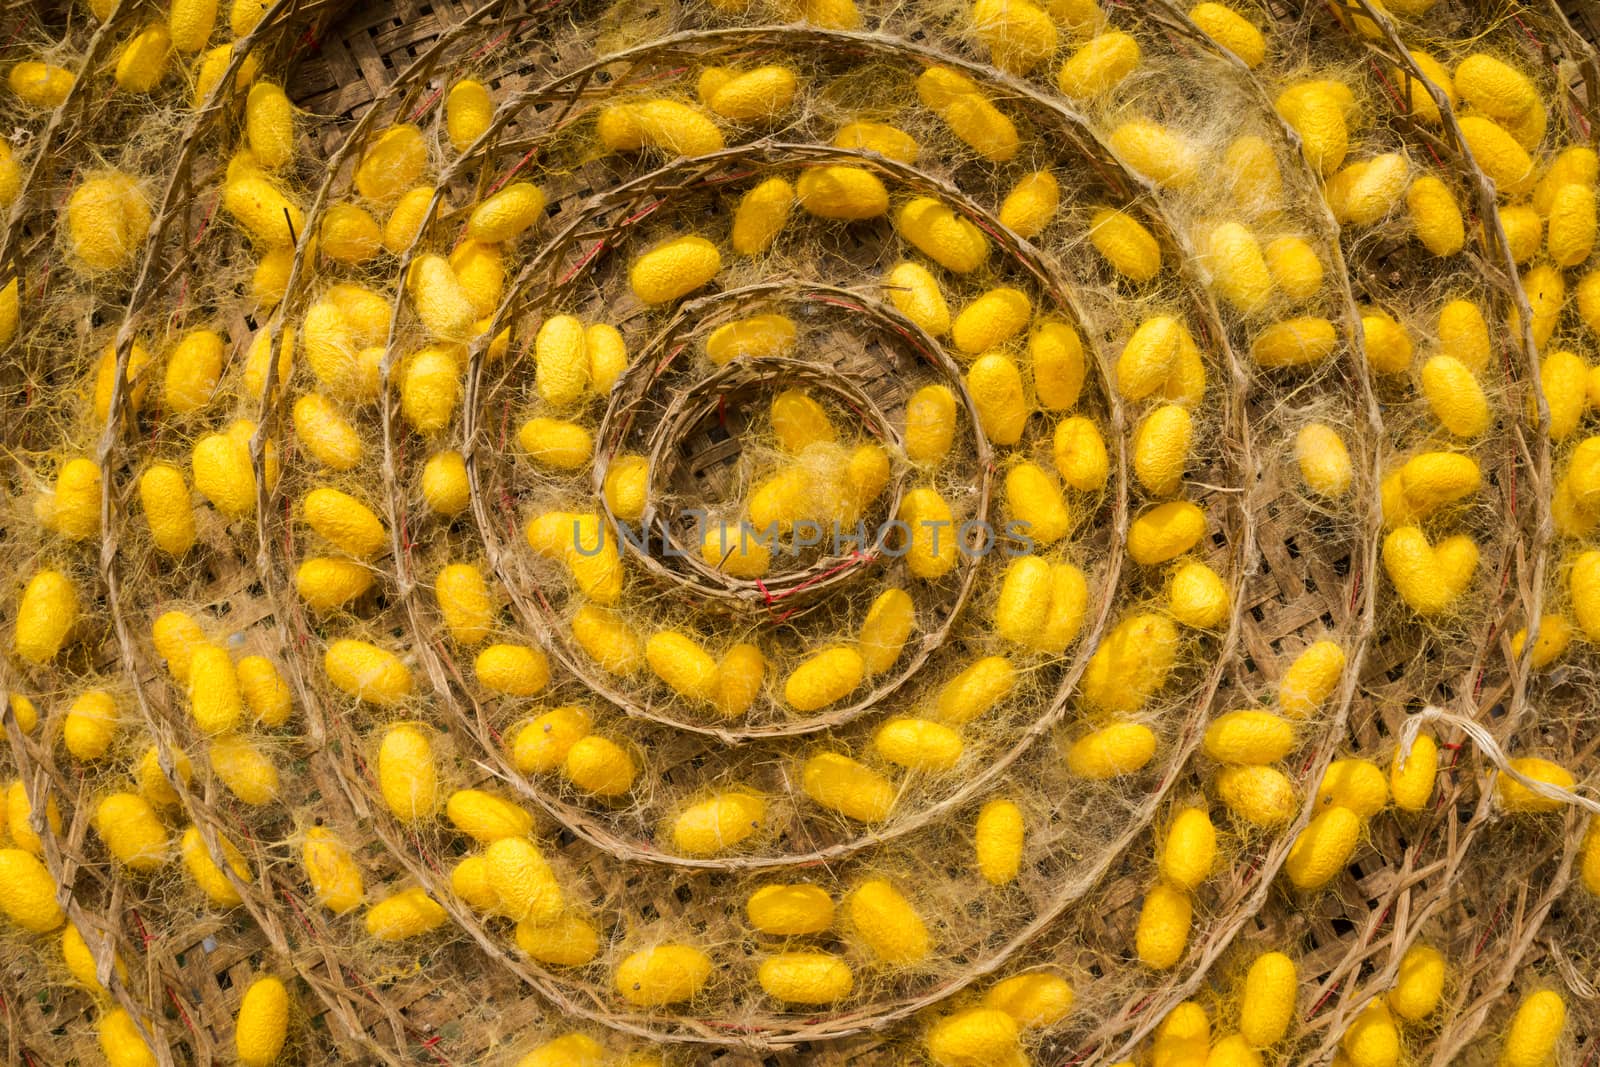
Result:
x=799 y=533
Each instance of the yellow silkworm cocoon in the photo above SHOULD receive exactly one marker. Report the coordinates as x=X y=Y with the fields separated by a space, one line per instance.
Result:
x=259 y=361
x=392 y=164
x=1056 y=352
x=513 y=670
x=1294 y=342
x=683 y=664
x=561 y=361
x=1161 y=449
x=1429 y=578
x=761 y=215
x=1197 y=597
x=430 y=388
x=1317 y=114
x=268 y=217
x=799 y=421
x=1546 y=289
x=1495 y=88
x=918 y=744
x=1375 y=188
x=269 y=125
x=107 y=220
x=1098 y=66
x=1419 y=983
x=1435 y=216
x=405 y=220
x=661 y=975
x=888 y=141
x=507 y=215
x=1416 y=95
x=600 y=766
x=1111 y=751
x=76 y=500
x=28 y=892
x=608 y=355
x=214 y=697
x=1323 y=848
x=334 y=876
x=153 y=784
x=1571 y=227
x=1024 y=599
x=91 y=725
x=1032 y=1000
x=790 y=910
x=759 y=95
x=930 y=424
x=265 y=692
x=406 y=914
x=1411 y=782
x=1165 y=532
x=441 y=301
x=367 y=672
x=852 y=789
x=1238 y=269
x=1266 y=1002
x=485 y=817
x=1555 y=635
x=1163 y=930
x=718 y=823
x=1454 y=396
x=1324 y=461
x=263 y=1023
x=915 y=293
x=933 y=551
x=887 y=923
x=326 y=434
x=888 y=623
x=41 y=85
x=468 y=110
x=1564 y=377
x=1148 y=357
x=350 y=235
x=1130 y=249
x=975 y=1036
x=177 y=636
x=1034 y=500
x=1572 y=166
x=46 y=616
x=957 y=100
x=1388 y=343
x=330 y=349
x=327 y=584
x=1249 y=737
x=990 y=320
x=1295 y=267
x=627 y=487
x=1259 y=795
x=569 y=941
x=122 y=1043
x=207 y=874
x=344 y=522
x=1518 y=798
x=731 y=549
x=19 y=819
x=465 y=603
x=1159 y=154
x=1535 y=1030
x=998 y=839
x=143 y=59
x=193 y=367
x=80 y=959
x=1232 y=31
x=756 y=337
x=805 y=977
x=132 y=832
x=1130 y=664
x=1080 y=454
x=246 y=772
x=568 y=1050
x=1505 y=161
x=1524 y=230
x=943 y=236
x=1354 y=784
x=1189 y=850
x=1031 y=204
x=1310 y=679
x=825 y=678
x=543 y=743
x=445 y=487
x=671 y=127
x=481 y=270
x=1372 y=1040
x=1018 y=34
x=674 y=269
x=1432 y=480
x=407 y=776
x=1251 y=171
x=1589 y=863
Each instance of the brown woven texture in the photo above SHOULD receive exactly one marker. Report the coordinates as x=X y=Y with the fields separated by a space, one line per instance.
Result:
x=1496 y=893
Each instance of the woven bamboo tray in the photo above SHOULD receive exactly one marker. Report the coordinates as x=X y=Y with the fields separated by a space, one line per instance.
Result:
x=1496 y=894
